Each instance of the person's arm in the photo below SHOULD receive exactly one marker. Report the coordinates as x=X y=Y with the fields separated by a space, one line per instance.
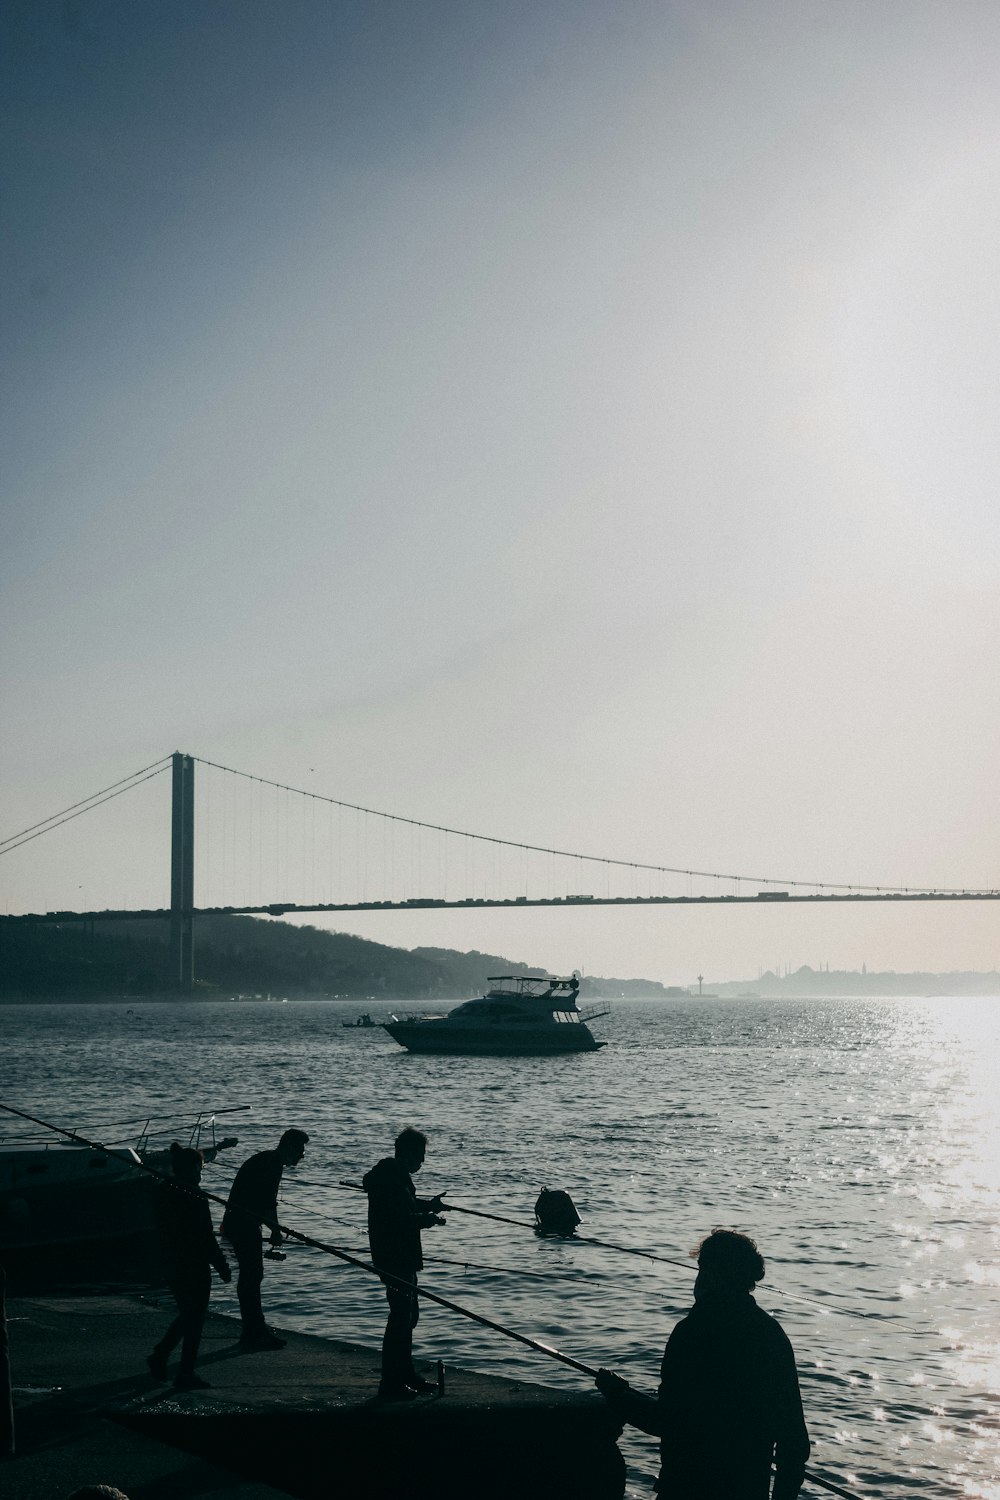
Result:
x=791 y=1451
x=426 y=1211
x=644 y=1412
x=255 y=1192
x=213 y=1249
x=435 y=1205
x=270 y=1183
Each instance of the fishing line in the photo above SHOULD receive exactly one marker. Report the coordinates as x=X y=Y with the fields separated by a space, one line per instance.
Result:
x=306 y=1239
x=384 y=1276
x=577 y=1276
x=204 y=1116
x=667 y=1260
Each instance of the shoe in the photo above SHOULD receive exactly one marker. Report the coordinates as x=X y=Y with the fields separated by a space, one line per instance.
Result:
x=420 y=1385
x=396 y=1393
x=265 y=1340
x=191 y=1383
x=157 y=1363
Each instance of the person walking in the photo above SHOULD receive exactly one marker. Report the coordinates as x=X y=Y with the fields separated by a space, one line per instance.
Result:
x=189 y=1250
x=729 y=1403
x=253 y=1202
x=395 y=1218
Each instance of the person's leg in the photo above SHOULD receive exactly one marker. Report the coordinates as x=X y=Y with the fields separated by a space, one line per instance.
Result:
x=249 y=1252
x=193 y=1303
x=412 y=1378
x=397 y=1345
x=157 y=1361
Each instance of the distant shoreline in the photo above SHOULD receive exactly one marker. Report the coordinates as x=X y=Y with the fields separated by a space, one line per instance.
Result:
x=424 y=1002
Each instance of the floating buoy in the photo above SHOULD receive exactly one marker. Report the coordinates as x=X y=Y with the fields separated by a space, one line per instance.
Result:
x=555 y=1212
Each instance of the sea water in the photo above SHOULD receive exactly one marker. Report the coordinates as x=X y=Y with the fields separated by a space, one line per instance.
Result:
x=857 y=1140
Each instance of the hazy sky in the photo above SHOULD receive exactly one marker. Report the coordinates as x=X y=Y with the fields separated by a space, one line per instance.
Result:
x=570 y=421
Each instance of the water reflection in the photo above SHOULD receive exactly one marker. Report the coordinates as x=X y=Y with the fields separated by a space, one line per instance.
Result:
x=859 y=1141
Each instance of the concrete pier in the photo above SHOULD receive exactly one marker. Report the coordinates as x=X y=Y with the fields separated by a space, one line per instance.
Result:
x=302 y=1421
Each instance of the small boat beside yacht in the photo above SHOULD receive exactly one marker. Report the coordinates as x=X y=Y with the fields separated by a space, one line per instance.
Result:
x=518 y=1016
x=66 y=1198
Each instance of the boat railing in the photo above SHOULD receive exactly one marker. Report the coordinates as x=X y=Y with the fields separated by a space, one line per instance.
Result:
x=199 y=1127
x=594 y=1012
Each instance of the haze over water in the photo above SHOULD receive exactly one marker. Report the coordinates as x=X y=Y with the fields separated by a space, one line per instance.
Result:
x=858 y=1141
x=570 y=422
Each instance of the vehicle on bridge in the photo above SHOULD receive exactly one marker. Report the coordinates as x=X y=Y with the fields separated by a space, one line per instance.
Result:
x=518 y=1016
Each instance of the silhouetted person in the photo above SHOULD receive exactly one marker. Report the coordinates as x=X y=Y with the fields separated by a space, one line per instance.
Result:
x=729 y=1402
x=189 y=1250
x=253 y=1201
x=98 y=1492
x=395 y=1218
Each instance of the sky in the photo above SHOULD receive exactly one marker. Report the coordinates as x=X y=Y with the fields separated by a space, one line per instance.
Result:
x=572 y=422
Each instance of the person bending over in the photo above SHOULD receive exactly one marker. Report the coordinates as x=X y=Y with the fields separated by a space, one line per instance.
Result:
x=253 y=1202
x=729 y=1404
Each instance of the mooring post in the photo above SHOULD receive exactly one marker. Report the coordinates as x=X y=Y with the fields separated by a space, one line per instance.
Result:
x=182 y=874
x=6 y=1392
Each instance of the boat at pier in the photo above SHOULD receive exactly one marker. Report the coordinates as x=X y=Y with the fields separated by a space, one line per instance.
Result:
x=518 y=1016
x=66 y=1198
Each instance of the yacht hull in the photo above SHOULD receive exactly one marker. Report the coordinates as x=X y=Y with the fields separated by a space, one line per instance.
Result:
x=434 y=1039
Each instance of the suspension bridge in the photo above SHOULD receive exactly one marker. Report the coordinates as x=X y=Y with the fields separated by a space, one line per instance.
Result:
x=267 y=849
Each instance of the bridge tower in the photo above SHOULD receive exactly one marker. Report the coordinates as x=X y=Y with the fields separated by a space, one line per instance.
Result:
x=182 y=874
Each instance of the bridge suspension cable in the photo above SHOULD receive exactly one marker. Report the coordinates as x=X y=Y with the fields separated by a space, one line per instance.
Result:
x=597 y=859
x=87 y=804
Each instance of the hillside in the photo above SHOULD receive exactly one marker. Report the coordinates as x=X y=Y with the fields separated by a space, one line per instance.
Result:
x=243 y=955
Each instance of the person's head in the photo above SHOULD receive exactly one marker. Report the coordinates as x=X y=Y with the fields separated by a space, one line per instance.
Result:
x=292 y=1146
x=186 y=1163
x=410 y=1149
x=727 y=1262
x=98 y=1492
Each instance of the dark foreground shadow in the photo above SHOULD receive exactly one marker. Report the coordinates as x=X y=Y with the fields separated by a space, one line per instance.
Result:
x=427 y=1450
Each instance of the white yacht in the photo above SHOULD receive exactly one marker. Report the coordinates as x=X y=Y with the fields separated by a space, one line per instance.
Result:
x=516 y=1016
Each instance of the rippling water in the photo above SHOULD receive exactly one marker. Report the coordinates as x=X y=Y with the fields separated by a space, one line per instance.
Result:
x=857 y=1140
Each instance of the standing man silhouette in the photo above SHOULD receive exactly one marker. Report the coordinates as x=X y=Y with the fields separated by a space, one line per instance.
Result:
x=253 y=1201
x=729 y=1403
x=189 y=1250
x=395 y=1218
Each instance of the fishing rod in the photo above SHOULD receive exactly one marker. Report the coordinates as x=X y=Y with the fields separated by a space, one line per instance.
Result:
x=202 y=1116
x=344 y=1255
x=126 y=1155
x=384 y=1276
x=667 y=1260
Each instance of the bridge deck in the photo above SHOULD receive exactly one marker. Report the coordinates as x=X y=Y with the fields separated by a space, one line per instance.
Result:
x=515 y=903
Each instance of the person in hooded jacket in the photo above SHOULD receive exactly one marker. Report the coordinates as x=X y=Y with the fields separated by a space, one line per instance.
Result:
x=189 y=1249
x=728 y=1405
x=395 y=1218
